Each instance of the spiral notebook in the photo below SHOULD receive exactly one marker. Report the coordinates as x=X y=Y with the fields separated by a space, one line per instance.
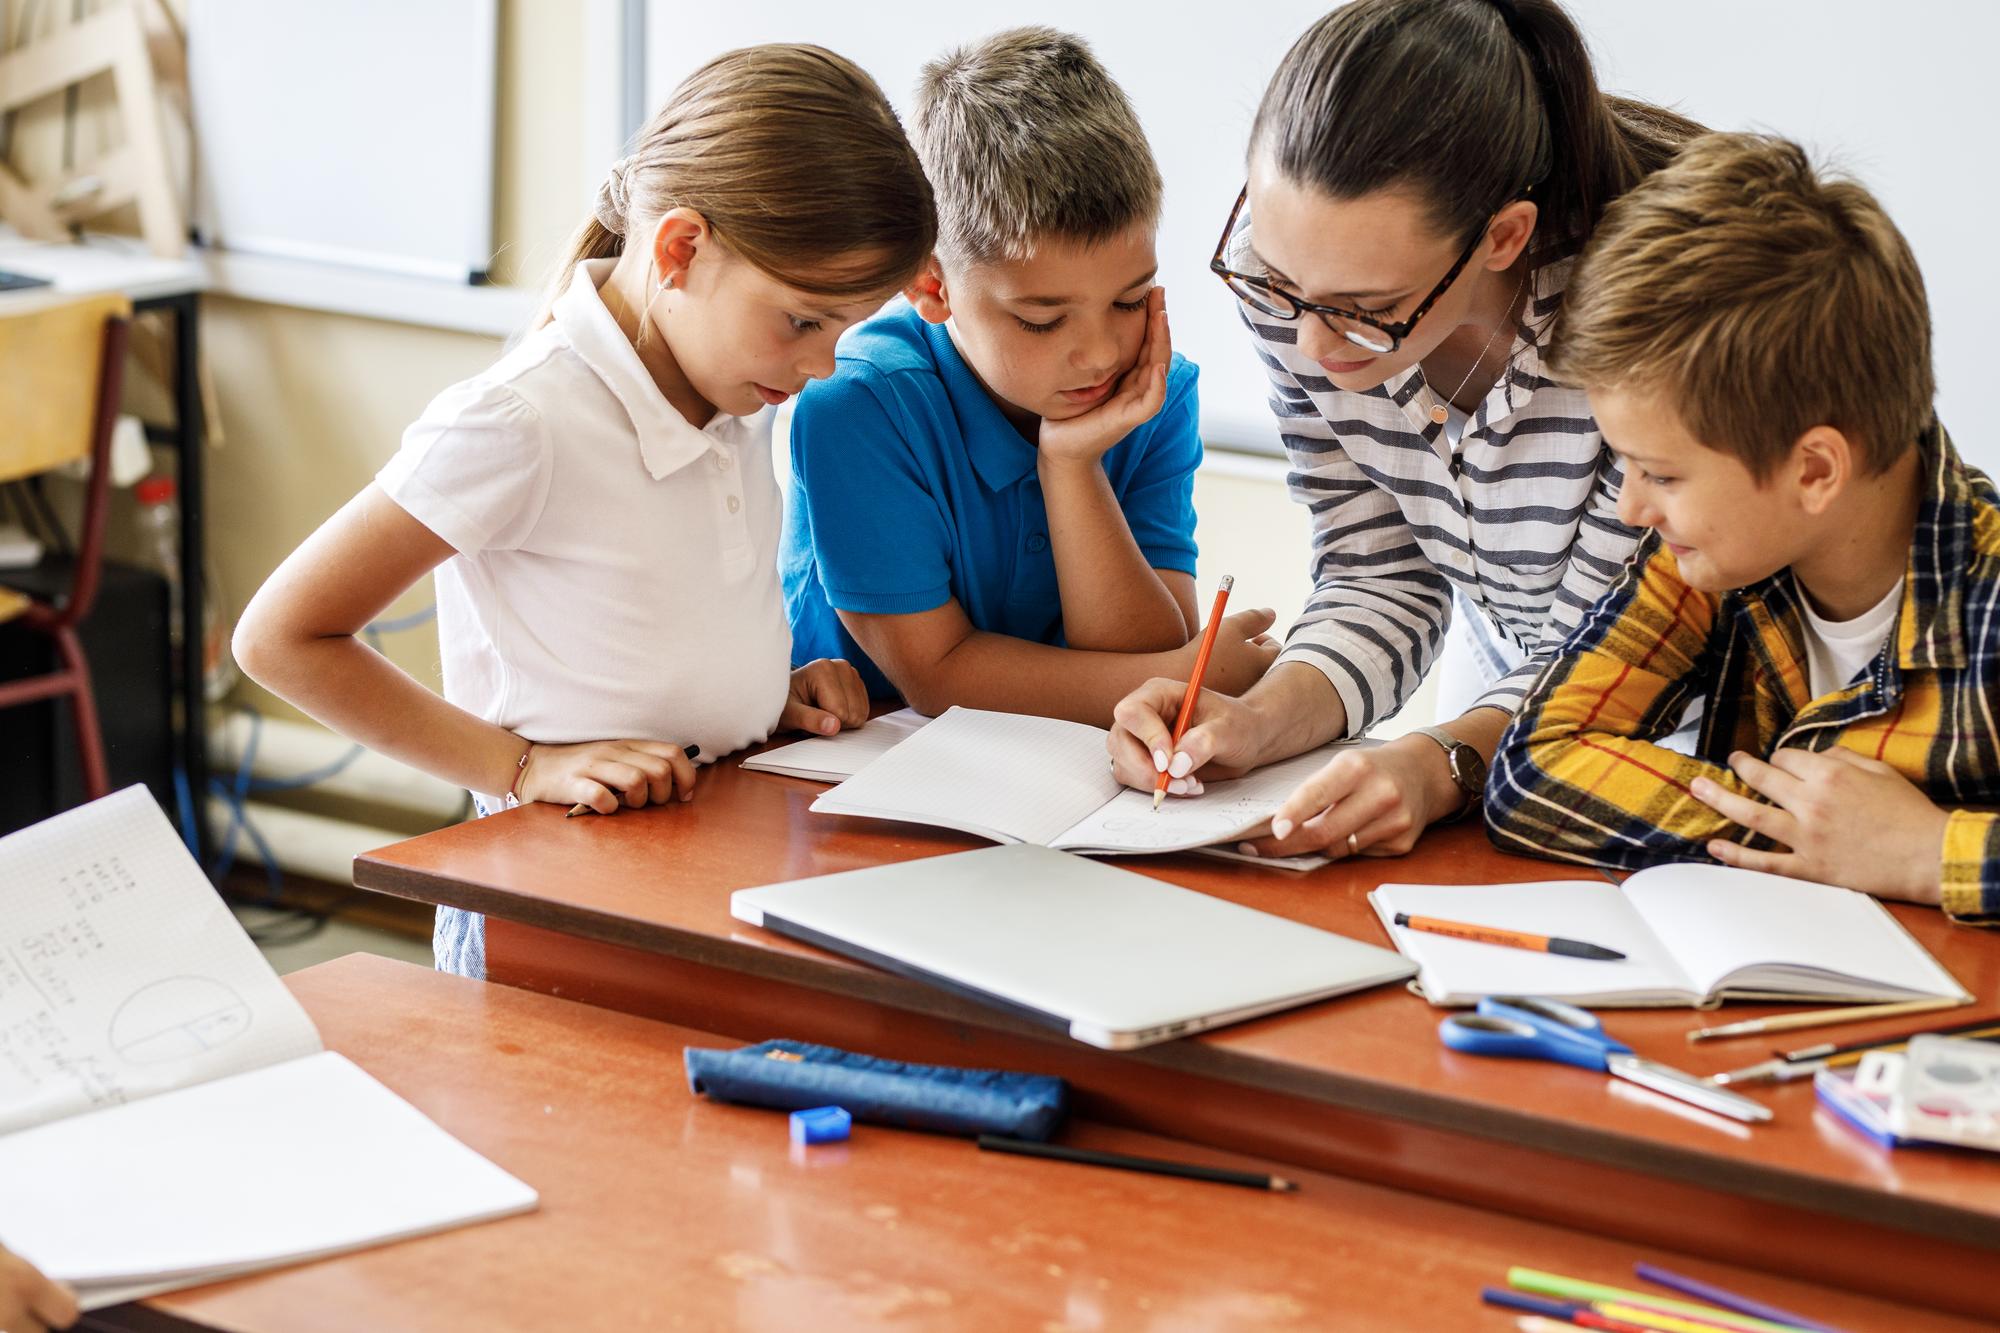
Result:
x=168 y=1115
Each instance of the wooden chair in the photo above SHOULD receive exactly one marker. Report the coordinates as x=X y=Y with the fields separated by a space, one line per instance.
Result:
x=61 y=369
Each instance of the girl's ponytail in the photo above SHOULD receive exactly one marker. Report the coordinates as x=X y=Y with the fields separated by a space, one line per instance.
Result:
x=796 y=160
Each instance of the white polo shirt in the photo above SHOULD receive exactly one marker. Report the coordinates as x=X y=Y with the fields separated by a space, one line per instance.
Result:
x=617 y=572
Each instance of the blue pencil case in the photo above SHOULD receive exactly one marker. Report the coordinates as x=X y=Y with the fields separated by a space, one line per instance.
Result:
x=944 y=1099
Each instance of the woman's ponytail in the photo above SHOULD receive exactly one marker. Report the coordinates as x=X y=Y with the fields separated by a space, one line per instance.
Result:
x=1470 y=102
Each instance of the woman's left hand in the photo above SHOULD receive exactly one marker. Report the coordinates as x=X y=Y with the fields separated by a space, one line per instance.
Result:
x=827 y=695
x=1383 y=797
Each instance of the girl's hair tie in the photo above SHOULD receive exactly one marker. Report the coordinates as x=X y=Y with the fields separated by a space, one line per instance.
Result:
x=611 y=198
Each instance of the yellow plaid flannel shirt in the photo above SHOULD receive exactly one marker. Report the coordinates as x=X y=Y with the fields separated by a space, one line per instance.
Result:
x=1578 y=777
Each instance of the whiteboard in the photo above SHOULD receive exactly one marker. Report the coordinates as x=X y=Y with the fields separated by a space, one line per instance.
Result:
x=355 y=133
x=1899 y=93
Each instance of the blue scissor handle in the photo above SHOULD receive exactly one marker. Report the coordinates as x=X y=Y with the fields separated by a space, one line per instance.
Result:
x=1561 y=1020
x=1531 y=1029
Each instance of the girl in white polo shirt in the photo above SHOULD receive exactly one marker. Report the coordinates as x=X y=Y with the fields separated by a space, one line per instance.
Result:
x=599 y=505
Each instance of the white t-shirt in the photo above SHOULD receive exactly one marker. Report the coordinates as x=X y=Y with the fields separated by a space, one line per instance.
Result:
x=616 y=574
x=1837 y=650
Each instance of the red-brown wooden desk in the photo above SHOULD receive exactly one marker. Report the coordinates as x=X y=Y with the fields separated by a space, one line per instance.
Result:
x=631 y=912
x=662 y=1211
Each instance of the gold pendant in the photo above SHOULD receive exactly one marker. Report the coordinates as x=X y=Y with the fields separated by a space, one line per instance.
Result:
x=1440 y=414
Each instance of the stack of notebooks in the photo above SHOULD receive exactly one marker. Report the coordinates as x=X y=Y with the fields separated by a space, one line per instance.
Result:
x=1013 y=778
x=168 y=1115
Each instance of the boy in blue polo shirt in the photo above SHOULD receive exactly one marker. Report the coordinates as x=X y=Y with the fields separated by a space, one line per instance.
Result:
x=992 y=500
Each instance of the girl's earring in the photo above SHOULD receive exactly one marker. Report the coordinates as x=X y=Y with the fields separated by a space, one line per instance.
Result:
x=666 y=284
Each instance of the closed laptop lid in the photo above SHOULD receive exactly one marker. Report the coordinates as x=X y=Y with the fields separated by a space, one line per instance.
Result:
x=1117 y=958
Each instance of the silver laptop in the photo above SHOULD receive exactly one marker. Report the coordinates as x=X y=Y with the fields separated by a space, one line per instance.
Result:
x=1116 y=959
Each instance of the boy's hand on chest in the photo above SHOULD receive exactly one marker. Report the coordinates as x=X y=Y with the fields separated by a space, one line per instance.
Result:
x=1839 y=818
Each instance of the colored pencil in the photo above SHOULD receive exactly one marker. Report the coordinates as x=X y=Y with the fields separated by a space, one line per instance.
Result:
x=1655 y=1320
x=1570 y=1312
x=1818 y=1018
x=1513 y=939
x=1194 y=683
x=1725 y=1320
x=1727 y=1299
x=1255 y=1180
x=1638 y=1305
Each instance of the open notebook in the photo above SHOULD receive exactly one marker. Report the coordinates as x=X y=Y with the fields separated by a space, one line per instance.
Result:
x=1692 y=935
x=840 y=756
x=168 y=1115
x=1015 y=778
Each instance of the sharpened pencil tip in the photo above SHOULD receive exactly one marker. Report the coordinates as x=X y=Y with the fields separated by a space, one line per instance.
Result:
x=1158 y=796
x=1282 y=1186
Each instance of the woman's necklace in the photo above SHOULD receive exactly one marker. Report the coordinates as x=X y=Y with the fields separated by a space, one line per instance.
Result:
x=1441 y=411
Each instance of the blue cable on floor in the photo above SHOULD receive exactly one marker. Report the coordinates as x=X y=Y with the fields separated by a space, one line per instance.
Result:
x=236 y=794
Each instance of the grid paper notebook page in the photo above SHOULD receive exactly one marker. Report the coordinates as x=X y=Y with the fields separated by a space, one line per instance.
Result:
x=290 y=1162
x=1004 y=776
x=1224 y=811
x=1015 y=778
x=832 y=758
x=122 y=973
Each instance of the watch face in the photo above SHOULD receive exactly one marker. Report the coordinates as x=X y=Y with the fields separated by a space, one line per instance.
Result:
x=1468 y=770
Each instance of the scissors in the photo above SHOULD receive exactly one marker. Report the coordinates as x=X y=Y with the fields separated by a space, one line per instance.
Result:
x=1536 y=1029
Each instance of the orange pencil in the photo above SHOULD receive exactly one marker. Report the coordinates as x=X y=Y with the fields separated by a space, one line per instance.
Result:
x=1194 y=681
x=1513 y=939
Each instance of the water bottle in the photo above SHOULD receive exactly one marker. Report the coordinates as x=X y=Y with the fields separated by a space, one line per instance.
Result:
x=159 y=518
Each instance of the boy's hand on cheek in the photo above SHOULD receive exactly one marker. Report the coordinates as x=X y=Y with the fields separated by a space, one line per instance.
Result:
x=1134 y=400
x=827 y=696
x=1842 y=819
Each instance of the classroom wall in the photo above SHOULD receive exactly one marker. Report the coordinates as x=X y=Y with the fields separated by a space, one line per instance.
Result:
x=313 y=404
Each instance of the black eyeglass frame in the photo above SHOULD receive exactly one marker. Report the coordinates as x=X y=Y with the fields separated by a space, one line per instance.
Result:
x=1298 y=305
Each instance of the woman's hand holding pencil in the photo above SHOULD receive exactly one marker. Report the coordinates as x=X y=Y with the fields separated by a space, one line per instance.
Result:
x=1218 y=738
x=1193 y=690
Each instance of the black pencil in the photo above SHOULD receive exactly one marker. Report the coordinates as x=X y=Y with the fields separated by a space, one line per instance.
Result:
x=1120 y=1161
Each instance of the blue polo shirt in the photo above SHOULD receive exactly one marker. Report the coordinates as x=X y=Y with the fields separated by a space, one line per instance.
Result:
x=909 y=489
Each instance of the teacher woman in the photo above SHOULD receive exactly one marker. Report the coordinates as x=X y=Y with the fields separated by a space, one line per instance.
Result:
x=1421 y=175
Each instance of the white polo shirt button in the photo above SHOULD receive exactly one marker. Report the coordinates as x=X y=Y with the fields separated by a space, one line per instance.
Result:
x=734 y=504
x=721 y=461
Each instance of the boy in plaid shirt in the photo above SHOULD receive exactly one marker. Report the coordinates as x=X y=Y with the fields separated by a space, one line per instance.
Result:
x=1823 y=571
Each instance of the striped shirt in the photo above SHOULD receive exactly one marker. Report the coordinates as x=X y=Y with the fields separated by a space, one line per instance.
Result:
x=1521 y=521
x=1578 y=778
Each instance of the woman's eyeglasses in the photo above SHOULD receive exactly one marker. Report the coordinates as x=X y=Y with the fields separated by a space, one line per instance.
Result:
x=1363 y=330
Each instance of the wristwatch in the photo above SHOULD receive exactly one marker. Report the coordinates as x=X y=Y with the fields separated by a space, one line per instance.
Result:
x=1468 y=768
